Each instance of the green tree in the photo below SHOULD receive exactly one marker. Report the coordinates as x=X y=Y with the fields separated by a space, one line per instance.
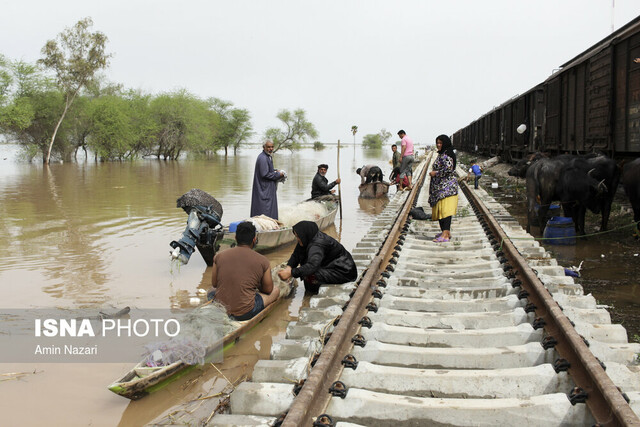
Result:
x=384 y=135
x=183 y=122
x=5 y=79
x=144 y=126
x=17 y=82
x=112 y=134
x=372 y=140
x=30 y=108
x=317 y=145
x=234 y=127
x=296 y=129
x=79 y=125
x=376 y=140
x=75 y=57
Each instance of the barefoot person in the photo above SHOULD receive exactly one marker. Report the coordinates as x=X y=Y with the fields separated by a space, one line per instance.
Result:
x=443 y=189
x=406 y=167
x=241 y=277
x=318 y=259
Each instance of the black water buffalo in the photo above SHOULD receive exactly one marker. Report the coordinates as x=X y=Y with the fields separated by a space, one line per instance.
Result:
x=520 y=168
x=631 y=184
x=543 y=178
x=590 y=183
x=605 y=170
x=580 y=191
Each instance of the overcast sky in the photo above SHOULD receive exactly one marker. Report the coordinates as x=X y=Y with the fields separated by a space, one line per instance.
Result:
x=429 y=67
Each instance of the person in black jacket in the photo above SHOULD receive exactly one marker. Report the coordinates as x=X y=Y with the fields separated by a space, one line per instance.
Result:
x=318 y=259
x=320 y=185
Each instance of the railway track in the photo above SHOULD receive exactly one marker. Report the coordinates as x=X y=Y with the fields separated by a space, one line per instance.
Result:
x=485 y=329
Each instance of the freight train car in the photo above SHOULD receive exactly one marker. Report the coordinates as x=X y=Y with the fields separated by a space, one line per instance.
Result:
x=496 y=133
x=591 y=104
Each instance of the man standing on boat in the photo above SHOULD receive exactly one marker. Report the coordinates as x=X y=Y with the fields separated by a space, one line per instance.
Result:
x=241 y=277
x=264 y=200
x=320 y=185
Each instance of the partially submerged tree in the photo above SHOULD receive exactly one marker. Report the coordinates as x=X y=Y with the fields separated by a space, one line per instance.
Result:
x=75 y=56
x=234 y=127
x=372 y=140
x=183 y=122
x=376 y=140
x=31 y=106
x=296 y=129
x=384 y=135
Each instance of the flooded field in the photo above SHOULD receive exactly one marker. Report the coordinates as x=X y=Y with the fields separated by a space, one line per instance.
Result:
x=96 y=236
x=610 y=261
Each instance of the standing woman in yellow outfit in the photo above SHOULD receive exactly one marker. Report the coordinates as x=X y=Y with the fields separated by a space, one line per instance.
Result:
x=443 y=189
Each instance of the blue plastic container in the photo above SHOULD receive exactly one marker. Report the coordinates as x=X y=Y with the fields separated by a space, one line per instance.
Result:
x=560 y=230
x=554 y=210
x=233 y=226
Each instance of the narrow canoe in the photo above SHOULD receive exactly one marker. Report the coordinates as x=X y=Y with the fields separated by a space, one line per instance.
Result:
x=142 y=380
x=374 y=190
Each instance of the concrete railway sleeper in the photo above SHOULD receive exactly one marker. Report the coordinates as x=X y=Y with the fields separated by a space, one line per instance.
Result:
x=478 y=331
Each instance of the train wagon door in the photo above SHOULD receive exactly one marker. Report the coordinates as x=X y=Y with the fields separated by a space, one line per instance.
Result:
x=553 y=111
x=598 y=102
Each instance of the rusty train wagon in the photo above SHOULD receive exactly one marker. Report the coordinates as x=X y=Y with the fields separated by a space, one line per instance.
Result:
x=495 y=133
x=591 y=104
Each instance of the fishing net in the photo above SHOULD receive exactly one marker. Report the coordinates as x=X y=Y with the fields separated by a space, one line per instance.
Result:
x=306 y=211
x=201 y=331
x=285 y=286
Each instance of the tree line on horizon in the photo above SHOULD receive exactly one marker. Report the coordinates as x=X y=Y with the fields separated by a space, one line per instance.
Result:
x=62 y=104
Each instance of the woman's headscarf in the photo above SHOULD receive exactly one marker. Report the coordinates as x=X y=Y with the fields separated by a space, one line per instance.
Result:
x=447 y=148
x=306 y=231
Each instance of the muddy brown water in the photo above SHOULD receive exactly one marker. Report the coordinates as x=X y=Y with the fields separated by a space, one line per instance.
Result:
x=96 y=236
x=610 y=261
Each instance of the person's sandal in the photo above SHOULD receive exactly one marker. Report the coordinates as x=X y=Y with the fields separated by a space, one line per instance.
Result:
x=441 y=239
x=438 y=235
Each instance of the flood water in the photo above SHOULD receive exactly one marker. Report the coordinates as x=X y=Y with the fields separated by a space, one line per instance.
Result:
x=96 y=236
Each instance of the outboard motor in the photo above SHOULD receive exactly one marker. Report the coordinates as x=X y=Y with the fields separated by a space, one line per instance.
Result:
x=203 y=226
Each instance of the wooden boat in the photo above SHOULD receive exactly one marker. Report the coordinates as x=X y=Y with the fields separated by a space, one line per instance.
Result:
x=272 y=239
x=374 y=190
x=142 y=379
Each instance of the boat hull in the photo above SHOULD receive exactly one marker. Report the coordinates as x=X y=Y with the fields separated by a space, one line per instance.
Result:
x=134 y=387
x=272 y=239
x=373 y=190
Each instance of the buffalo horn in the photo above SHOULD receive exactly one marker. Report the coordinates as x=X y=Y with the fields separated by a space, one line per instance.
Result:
x=601 y=185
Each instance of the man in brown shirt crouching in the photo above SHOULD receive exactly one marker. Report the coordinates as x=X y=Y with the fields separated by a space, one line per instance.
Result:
x=241 y=277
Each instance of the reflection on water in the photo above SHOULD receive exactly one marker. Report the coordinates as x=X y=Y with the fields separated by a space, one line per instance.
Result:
x=94 y=234
x=97 y=235
x=373 y=206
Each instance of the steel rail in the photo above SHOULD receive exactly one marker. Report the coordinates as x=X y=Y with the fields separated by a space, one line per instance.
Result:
x=314 y=397
x=604 y=399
